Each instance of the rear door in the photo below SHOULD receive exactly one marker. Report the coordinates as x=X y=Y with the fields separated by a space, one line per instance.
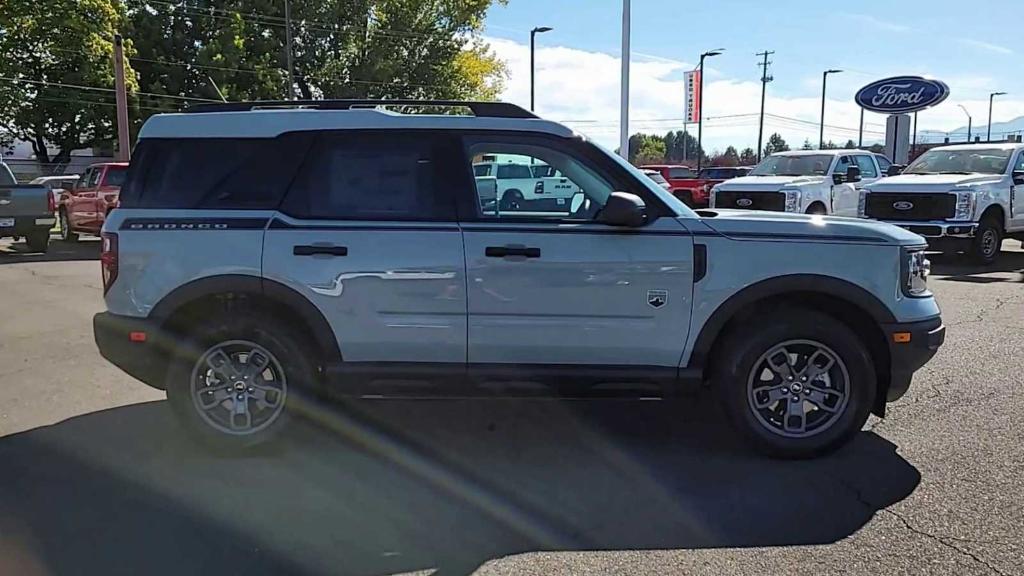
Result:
x=368 y=233
x=552 y=288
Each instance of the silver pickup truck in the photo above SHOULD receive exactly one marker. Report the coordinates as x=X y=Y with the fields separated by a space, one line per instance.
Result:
x=25 y=211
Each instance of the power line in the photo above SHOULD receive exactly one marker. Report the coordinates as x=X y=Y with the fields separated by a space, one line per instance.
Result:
x=100 y=89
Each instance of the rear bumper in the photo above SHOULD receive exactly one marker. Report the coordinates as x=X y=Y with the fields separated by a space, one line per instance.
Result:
x=907 y=357
x=25 y=224
x=938 y=229
x=142 y=360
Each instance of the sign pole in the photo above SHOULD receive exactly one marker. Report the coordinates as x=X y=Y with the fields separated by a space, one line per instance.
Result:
x=624 y=101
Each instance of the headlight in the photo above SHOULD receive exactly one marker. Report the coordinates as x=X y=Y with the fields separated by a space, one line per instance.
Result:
x=862 y=204
x=711 y=197
x=792 y=200
x=965 y=202
x=916 y=269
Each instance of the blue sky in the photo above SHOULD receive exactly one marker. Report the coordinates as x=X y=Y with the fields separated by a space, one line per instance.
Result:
x=974 y=47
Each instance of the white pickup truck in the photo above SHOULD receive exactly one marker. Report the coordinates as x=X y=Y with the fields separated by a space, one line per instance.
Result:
x=525 y=186
x=962 y=198
x=804 y=181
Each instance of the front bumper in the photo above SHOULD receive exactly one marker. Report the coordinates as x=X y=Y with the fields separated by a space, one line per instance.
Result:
x=144 y=360
x=909 y=353
x=24 y=225
x=938 y=229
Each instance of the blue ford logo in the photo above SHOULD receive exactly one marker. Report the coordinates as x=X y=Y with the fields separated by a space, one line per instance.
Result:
x=901 y=94
x=744 y=202
x=903 y=205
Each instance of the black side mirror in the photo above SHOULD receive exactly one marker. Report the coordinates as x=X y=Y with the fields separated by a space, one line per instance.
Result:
x=1018 y=177
x=838 y=178
x=853 y=174
x=895 y=170
x=623 y=209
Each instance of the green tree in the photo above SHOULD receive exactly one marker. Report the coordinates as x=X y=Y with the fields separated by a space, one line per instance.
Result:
x=807 y=145
x=646 y=149
x=748 y=157
x=680 y=142
x=850 y=145
x=50 y=49
x=830 y=145
x=775 y=144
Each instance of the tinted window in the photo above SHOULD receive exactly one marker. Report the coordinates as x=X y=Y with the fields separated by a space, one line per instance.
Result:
x=359 y=176
x=228 y=173
x=680 y=173
x=842 y=164
x=115 y=176
x=6 y=177
x=883 y=163
x=481 y=170
x=867 y=166
x=514 y=171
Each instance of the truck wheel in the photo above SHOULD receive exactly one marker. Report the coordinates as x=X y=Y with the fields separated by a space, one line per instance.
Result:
x=38 y=241
x=65 y=228
x=817 y=208
x=236 y=381
x=800 y=385
x=511 y=200
x=987 y=242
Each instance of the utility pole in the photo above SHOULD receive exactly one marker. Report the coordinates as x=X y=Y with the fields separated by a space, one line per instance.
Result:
x=624 y=100
x=288 y=48
x=765 y=79
x=860 y=132
x=824 y=83
x=121 y=96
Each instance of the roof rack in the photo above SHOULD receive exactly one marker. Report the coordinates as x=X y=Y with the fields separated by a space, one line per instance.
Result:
x=479 y=109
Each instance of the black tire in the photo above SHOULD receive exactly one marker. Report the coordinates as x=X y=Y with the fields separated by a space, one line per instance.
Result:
x=66 y=234
x=735 y=378
x=288 y=354
x=817 y=208
x=38 y=240
x=512 y=200
x=686 y=197
x=987 y=242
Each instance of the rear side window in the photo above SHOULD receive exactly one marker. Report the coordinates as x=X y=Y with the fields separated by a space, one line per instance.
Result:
x=680 y=173
x=213 y=173
x=115 y=176
x=508 y=171
x=867 y=166
x=6 y=177
x=372 y=176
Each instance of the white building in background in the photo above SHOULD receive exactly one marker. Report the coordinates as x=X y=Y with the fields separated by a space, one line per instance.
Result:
x=21 y=159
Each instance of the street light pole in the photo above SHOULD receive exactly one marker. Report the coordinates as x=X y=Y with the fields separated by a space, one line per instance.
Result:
x=700 y=105
x=824 y=83
x=288 y=48
x=533 y=35
x=991 y=97
x=969 y=122
x=624 y=96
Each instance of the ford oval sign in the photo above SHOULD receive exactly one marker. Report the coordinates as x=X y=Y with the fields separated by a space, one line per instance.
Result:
x=744 y=202
x=901 y=94
x=903 y=205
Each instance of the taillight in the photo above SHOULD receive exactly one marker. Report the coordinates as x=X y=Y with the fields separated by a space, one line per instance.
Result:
x=108 y=259
x=51 y=203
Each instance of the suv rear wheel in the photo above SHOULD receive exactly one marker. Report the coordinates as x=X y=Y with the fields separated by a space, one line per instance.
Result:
x=799 y=385
x=236 y=382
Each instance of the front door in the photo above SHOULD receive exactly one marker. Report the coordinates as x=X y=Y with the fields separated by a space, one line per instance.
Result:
x=368 y=233
x=551 y=286
x=1017 y=196
x=845 y=197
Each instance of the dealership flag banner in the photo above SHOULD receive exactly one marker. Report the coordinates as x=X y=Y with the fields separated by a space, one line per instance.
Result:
x=691 y=110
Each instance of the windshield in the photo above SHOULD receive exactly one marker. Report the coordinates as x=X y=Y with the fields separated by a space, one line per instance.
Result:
x=977 y=161
x=720 y=173
x=115 y=176
x=656 y=176
x=803 y=165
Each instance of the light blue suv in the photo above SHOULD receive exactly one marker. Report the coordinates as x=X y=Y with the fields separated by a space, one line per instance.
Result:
x=268 y=253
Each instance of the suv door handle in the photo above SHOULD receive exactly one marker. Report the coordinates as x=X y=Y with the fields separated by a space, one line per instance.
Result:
x=503 y=251
x=316 y=250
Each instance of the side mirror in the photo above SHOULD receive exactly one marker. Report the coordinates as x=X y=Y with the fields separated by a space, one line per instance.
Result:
x=895 y=170
x=623 y=209
x=853 y=174
x=838 y=178
x=1018 y=177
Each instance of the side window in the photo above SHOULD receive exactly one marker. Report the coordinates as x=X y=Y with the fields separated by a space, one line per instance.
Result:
x=867 y=166
x=680 y=173
x=224 y=173
x=883 y=163
x=6 y=176
x=376 y=176
x=841 y=165
x=575 y=190
x=1019 y=166
x=83 y=182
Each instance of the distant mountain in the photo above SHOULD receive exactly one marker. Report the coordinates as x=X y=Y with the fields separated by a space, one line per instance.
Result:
x=1000 y=130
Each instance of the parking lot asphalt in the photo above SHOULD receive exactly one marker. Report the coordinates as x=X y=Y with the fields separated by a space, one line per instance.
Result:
x=96 y=478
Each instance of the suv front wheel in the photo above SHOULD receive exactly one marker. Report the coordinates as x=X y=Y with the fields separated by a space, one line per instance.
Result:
x=235 y=382
x=796 y=382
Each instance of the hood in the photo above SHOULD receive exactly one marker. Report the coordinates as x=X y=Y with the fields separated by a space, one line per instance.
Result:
x=768 y=182
x=931 y=182
x=758 y=225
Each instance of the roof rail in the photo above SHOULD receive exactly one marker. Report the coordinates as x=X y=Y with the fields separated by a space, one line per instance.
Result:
x=480 y=109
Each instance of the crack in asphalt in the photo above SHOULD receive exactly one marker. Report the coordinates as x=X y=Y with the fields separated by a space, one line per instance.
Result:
x=940 y=539
x=981 y=314
x=901 y=408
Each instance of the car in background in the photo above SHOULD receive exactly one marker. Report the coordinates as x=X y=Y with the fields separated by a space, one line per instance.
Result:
x=57 y=184
x=657 y=177
x=26 y=211
x=521 y=186
x=696 y=193
x=676 y=174
x=83 y=208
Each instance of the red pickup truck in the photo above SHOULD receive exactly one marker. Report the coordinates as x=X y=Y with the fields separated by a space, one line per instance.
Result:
x=696 y=191
x=84 y=207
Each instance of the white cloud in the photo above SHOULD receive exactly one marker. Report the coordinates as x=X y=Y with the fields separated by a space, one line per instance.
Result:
x=876 y=23
x=988 y=46
x=581 y=88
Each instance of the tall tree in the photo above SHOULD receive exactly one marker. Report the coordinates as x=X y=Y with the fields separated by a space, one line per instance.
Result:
x=807 y=145
x=57 y=91
x=646 y=149
x=775 y=144
x=748 y=157
x=850 y=145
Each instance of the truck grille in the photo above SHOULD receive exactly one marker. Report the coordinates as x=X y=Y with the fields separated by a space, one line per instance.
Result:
x=775 y=201
x=893 y=206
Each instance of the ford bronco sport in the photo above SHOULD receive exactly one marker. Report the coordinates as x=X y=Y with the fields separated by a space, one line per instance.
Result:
x=341 y=247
